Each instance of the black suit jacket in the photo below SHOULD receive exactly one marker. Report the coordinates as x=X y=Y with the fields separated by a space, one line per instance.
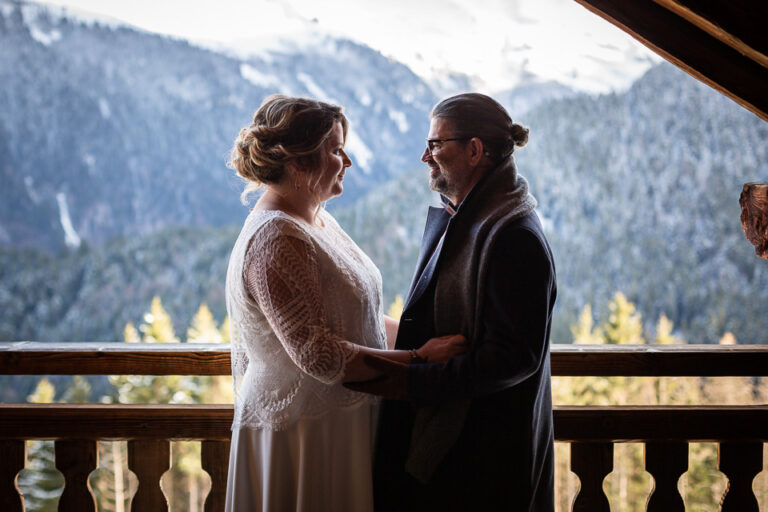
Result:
x=503 y=459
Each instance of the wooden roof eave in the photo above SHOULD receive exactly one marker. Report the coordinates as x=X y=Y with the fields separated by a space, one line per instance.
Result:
x=709 y=41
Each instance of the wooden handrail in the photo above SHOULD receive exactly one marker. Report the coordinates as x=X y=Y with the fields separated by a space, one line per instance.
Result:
x=78 y=358
x=116 y=421
x=35 y=358
x=212 y=422
x=616 y=424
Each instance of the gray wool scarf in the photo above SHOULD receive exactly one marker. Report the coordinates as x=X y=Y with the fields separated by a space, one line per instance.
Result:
x=499 y=198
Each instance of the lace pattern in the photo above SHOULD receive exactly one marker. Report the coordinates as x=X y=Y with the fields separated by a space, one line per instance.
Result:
x=301 y=300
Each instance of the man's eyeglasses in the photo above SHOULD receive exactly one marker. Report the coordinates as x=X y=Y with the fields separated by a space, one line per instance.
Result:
x=433 y=144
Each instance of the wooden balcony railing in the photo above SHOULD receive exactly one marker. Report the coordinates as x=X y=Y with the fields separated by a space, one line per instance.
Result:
x=591 y=431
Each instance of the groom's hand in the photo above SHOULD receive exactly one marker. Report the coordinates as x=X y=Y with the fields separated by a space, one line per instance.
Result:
x=392 y=384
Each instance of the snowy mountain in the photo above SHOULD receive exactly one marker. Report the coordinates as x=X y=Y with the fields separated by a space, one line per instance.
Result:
x=112 y=137
x=107 y=130
x=485 y=45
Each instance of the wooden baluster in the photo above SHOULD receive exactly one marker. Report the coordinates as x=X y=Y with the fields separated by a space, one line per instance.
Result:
x=215 y=461
x=14 y=455
x=666 y=461
x=149 y=460
x=591 y=462
x=740 y=462
x=76 y=459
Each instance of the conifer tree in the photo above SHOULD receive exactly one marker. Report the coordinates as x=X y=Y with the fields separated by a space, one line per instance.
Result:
x=130 y=334
x=157 y=326
x=203 y=327
x=396 y=308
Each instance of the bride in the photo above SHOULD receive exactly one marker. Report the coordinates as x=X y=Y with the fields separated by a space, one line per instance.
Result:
x=305 y=305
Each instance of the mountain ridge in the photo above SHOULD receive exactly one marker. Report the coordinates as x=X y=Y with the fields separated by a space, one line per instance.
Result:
x=132 y=131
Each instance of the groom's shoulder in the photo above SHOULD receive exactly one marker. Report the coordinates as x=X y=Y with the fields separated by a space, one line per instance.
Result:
x=529 y=221
x=524 y=234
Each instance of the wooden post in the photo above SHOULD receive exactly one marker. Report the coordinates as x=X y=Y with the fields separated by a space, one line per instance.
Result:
x=149 y=460
x=591 y=462
x=740 y=462
x=76 y=459
x=754 y=216
x=666 y=461
x=214 y=459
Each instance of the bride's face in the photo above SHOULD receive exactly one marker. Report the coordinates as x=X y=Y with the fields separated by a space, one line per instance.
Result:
x=333 y=165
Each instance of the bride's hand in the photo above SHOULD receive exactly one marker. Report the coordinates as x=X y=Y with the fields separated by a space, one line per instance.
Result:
x=442 y=348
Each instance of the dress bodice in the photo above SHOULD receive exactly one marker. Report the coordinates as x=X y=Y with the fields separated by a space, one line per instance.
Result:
x=301 y=299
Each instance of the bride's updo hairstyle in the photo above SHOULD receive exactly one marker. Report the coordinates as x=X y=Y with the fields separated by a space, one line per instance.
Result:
x=478 y=115
x=284 y=129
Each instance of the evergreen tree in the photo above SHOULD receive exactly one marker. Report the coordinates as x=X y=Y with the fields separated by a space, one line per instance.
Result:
x=396 y=308
x=130 y=334
x=203 y=327
x=157 y=326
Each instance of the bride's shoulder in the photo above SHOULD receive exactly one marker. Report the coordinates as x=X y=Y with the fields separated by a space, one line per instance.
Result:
x=329 y=220
x=274 y=224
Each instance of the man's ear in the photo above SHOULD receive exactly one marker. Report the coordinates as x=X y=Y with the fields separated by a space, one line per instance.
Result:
x=476 y=150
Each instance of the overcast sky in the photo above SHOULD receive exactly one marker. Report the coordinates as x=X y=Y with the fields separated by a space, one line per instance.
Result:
x=554 y=39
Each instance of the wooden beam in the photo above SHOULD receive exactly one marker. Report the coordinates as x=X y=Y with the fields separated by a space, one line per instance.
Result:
x=660 y=360
x=212 y=422
x=693 y=50
x=28 y=358
x=670 y=423
x=731 y=22
x=78 y=358
x=115 y=421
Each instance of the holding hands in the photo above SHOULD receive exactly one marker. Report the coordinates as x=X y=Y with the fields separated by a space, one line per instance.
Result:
x=392 y=382
x=442 y=348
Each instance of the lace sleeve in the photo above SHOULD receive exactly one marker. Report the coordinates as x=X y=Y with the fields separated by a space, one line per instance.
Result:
x=282 y=275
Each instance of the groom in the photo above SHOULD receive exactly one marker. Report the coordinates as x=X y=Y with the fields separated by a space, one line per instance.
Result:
x=475 y=433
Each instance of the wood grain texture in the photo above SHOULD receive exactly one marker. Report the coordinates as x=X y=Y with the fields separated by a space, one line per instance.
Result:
x=215 y=461
x=35 y=358
x=660 y=360
x=115 y=422
x=692 y=49
x=213 y=422
x=76 y=458
x=149 y=459
x=731 y=22
x=591 y=462
x=668 y=423
x=14 y=454
x=740 y=462
x=666 y=462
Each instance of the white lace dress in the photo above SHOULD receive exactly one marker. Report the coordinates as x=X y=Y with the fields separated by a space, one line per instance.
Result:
x=300 y=299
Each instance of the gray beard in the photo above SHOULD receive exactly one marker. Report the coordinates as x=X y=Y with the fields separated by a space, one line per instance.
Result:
x=439 y=185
